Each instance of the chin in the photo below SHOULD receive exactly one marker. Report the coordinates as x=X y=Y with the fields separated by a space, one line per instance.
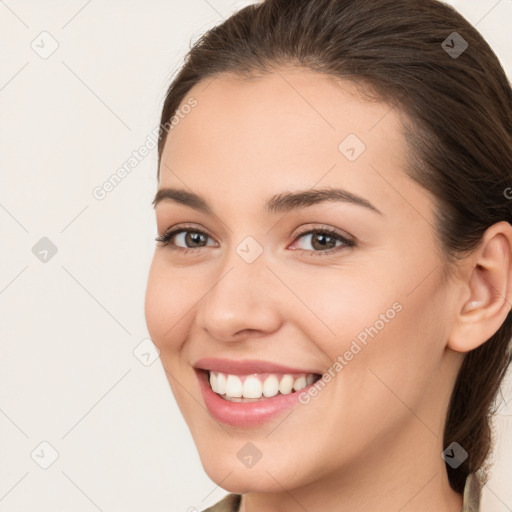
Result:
x=264 y=478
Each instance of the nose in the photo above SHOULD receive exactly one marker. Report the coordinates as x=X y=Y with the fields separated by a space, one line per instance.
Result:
x=241 y=301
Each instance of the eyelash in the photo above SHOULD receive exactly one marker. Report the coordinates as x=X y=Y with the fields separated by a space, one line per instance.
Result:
x=165 y=238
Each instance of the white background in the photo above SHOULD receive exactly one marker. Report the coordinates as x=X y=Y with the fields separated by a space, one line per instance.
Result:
x=68 y=327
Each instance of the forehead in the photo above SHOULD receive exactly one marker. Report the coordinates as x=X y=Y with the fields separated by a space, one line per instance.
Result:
x=312 y=112
x=292 y=128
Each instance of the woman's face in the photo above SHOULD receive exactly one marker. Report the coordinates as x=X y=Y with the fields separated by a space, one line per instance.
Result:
x=260 y=285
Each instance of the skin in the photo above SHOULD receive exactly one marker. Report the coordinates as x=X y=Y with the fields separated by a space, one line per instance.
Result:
x=372 y=438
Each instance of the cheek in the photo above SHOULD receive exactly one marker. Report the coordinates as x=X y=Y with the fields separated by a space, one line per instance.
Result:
x=393 y=371
x=338 y=305
x=165 y=305
x=165 y=309
x=380 y=325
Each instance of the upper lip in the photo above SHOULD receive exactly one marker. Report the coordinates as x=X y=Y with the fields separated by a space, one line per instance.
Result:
x=246 y=366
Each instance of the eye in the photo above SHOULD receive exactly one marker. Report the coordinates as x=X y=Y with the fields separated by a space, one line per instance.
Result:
x=324 y=241
x=188 y=236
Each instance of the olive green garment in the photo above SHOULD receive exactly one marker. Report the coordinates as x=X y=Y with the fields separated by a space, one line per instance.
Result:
x=471 y=498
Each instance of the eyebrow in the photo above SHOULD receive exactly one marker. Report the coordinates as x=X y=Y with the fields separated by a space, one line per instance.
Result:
x=279 y=203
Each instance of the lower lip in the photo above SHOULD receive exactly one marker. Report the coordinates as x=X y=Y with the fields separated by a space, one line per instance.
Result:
x=245 y=414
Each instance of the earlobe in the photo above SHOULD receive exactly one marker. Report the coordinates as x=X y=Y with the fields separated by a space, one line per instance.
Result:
x=489 y=281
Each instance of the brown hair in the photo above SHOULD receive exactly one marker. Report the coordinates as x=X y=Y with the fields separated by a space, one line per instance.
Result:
x=457 y=122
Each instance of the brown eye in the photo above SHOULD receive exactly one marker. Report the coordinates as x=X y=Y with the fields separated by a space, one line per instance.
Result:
x=193 y=238
x=187 y=238
x=324 y=241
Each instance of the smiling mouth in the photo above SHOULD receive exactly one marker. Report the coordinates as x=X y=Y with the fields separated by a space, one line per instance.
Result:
x=257 y=387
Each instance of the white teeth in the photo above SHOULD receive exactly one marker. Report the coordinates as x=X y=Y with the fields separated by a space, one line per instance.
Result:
x=299 y=383
x=221 y=382
x=213 y=382
x=270 y=386
x=234 y=386
x=286 y=385
x=252 y=387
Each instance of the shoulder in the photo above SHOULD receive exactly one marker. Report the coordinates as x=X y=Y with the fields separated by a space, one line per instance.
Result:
x=229 y=503
x=472 y=493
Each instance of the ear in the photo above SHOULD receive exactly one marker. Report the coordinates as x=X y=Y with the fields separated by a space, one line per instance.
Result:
x=487 y=297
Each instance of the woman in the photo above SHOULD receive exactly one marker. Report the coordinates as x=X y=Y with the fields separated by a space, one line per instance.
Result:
x=331 y=287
